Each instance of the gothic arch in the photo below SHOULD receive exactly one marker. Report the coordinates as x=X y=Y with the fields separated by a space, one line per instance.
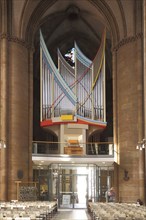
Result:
x=123 y=17
x=35 y=20
x=110 y=19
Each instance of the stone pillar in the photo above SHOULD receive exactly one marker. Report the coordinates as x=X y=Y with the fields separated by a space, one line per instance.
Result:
x=144 y=79
x=20 y=114
x=115 y=106
x=3 y=117
x=30 y=112
x=16 y=113
x=115 y=125
x=129 y=117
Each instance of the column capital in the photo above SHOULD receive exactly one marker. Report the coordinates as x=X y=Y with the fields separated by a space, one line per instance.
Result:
x=17 y=40
x=127 y=40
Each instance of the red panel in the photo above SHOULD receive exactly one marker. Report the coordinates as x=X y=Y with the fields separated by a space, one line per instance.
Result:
x=79 y=121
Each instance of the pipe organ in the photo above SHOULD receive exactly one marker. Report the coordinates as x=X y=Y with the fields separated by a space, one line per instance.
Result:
x=76 y=92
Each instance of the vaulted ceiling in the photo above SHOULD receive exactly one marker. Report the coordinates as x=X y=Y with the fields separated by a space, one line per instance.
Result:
x=64 y=21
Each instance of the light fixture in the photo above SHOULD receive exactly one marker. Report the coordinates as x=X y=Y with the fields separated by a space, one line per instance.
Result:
x=2 y=144
x=141 y=145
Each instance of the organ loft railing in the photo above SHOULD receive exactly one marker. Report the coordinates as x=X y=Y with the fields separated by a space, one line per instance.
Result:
x=78 y=90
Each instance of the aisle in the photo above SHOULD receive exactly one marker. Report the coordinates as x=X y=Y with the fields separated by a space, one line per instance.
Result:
x=72 y=214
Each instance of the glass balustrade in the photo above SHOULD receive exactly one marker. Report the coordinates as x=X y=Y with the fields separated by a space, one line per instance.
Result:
x=53 y=148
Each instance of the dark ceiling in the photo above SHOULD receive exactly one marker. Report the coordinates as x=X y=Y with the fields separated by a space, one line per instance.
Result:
x=62 y=28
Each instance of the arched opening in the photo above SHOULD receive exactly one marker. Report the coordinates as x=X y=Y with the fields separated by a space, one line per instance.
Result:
x=61 y=33
x=60 y=30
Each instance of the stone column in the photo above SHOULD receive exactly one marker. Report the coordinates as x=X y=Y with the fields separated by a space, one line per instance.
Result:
x=140 y=120
x=115 y=106
x=130 y=117
x=3 y=116
x=115 y=124
x=30 y=112
x=144 y=79
x=16 y=114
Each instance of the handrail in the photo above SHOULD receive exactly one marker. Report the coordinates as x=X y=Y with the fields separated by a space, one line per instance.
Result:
x=57 y=142
x=90 y=148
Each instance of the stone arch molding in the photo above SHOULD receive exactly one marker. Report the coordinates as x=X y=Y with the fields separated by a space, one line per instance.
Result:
x=44 y=7
x=31 y=13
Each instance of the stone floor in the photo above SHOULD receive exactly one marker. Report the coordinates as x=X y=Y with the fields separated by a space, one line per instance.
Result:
x=72 y=214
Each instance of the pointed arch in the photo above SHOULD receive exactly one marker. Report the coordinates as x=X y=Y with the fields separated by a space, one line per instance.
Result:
x=35 y=19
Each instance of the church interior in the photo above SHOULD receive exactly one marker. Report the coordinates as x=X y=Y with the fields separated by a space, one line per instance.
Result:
x=72 y=106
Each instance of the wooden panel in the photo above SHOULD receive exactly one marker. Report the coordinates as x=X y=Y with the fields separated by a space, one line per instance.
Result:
x=73 y=142
x=73 y=150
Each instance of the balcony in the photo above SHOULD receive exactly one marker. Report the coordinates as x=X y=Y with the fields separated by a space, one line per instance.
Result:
x=50 y=152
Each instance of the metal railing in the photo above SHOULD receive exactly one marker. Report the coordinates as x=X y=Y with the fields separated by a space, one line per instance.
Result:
x=95 y=148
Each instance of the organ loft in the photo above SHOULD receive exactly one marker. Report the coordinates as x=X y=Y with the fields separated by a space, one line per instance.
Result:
x=73 y=96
